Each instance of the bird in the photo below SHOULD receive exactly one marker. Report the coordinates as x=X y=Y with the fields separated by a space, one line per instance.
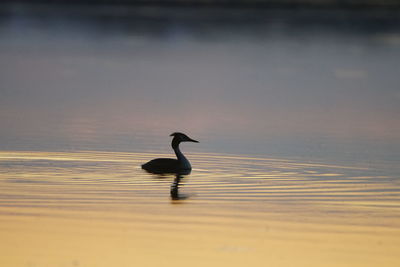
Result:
x=166 y=165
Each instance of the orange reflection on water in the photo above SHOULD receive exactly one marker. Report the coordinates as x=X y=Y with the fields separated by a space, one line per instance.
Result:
x=100 y=209
x=225 y=241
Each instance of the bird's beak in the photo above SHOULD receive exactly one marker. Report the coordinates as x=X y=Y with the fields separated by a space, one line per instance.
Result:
x=192 y=140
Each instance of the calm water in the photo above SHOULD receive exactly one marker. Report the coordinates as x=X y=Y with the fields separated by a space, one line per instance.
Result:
x=296 y=112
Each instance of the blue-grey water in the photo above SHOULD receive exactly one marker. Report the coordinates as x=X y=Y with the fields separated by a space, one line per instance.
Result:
x=297 y=114
x=283 y=82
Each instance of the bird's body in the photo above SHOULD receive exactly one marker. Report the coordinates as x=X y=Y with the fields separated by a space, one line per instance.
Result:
x=166 y=165
x=162 y=165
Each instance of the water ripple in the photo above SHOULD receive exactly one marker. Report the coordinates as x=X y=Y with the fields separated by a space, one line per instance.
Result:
x=91 y=180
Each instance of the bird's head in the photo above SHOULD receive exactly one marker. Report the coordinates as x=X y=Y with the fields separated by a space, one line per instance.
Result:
x=181 y=137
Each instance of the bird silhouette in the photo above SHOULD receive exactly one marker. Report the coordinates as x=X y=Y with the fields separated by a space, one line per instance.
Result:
x=166 y=165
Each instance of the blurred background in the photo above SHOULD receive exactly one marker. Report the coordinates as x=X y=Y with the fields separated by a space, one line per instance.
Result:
x=311 y=79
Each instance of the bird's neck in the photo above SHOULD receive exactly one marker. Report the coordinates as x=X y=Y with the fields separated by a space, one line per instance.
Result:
x=183 y=161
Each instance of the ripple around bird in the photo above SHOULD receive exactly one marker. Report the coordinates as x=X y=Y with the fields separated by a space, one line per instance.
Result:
x=106 y=180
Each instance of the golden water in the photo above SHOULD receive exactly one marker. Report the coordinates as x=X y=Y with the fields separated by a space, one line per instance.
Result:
x=101 y=209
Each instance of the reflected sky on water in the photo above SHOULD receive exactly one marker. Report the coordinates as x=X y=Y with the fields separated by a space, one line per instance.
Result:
x=300 y=83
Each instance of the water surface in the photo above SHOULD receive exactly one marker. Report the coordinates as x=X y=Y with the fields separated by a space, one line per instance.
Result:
x=60 y=208
x=296 y=112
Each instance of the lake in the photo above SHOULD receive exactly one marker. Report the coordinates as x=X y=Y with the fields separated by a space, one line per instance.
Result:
x=296 y=112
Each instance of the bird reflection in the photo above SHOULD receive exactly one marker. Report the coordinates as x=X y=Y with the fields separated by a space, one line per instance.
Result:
x=174 y=192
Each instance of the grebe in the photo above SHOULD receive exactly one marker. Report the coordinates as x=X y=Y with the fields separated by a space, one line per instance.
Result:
x=179 y=165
